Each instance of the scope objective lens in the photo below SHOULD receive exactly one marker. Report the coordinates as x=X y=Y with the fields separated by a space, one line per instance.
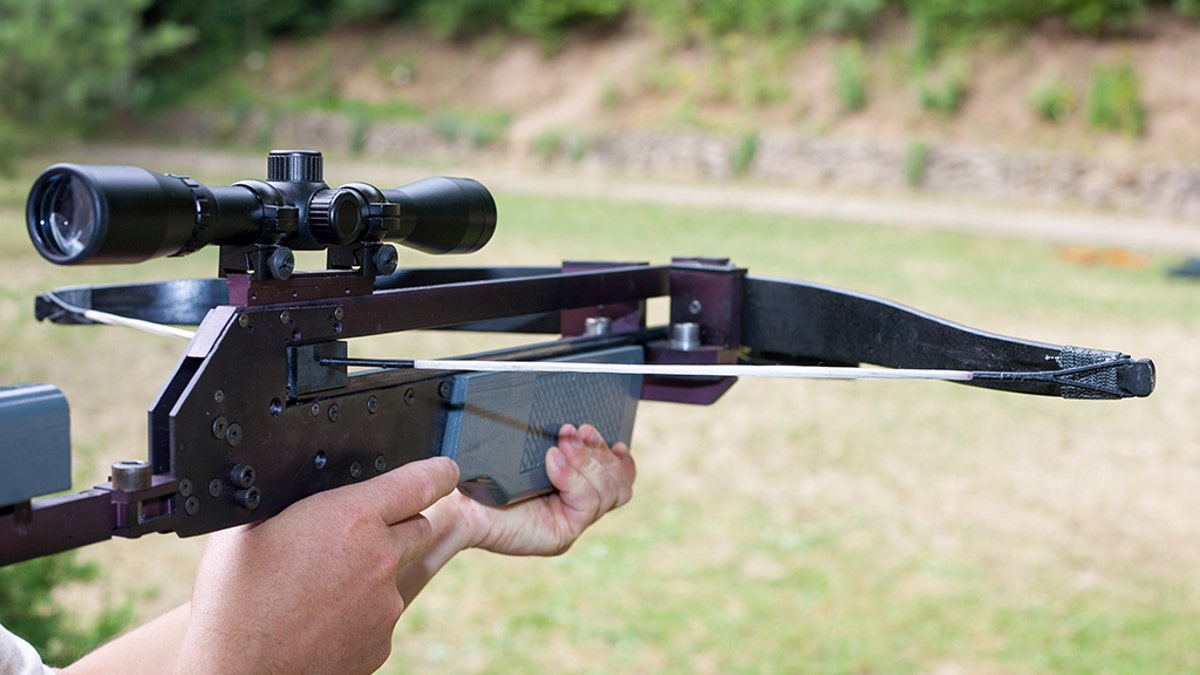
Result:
x=66 y=214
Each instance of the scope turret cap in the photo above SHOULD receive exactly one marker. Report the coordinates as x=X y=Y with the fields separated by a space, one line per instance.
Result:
x=295 y=166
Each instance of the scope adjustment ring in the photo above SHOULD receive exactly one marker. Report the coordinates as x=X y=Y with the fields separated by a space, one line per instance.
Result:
x=335 y=217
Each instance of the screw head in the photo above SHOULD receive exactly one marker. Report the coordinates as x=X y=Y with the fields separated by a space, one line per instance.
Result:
x=380 y=463
x=334 y=412
x=409 y=396
x=219 y=395
x=233 y=435
x=191 y=506
x=356 y=470
x=385 y=259
x=219 y=427
x=215 y=487
x=244 y=320
x=285 y=317
x=185 y=487
x=249 y=498
x=373 y=404
x=281 y=263
x=242 y=475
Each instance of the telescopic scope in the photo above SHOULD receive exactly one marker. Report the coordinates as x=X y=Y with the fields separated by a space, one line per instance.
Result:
x=96 y=214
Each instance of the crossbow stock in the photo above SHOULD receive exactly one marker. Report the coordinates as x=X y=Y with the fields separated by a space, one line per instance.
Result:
x=267 y=405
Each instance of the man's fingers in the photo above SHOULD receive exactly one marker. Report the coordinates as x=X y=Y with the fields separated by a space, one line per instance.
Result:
x=591 y=478
x=405 y=491
x=412 y=536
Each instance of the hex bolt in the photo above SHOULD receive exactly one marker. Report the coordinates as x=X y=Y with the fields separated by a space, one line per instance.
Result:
x=242 y=475
x=219 y=395
x=356 y=470
x=249 y=498
x=132 y=474
x=233 y=435
x=215 y=487
x=380 y=463
x=191 y=506
x=219 y=427
x=685 y=336
x=373 y=404
x=185 y=487
x=594 y=326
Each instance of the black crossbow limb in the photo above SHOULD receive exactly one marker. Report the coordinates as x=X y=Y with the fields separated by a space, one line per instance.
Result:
x=267 y=405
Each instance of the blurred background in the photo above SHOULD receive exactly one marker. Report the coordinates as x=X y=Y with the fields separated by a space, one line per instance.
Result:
x=1026 y=167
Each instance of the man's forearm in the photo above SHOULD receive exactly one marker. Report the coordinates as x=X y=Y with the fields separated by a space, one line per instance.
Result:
x=150 y=648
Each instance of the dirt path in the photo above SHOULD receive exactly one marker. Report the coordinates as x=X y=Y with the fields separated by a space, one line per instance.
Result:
x=1066 y=226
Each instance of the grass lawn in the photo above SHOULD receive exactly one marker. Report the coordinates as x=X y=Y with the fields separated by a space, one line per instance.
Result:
x=868 y=527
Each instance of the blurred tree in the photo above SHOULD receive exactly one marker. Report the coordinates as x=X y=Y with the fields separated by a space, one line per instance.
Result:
x=66 y=64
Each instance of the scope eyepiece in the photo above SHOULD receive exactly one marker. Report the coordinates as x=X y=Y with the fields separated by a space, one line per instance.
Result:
x=98 y=214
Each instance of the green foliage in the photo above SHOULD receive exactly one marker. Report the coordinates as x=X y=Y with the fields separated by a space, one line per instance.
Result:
x=477 y=129
x=743 y=153
x=547 y=19
x=66 y=65
x=916 y=158
x=940 y=23
x=1190 y=8
x=452 y=18
x=1114 y=102
x=943 y=89
x=1052 y=100
x=851 y=80
x=764 y=17
x=547 y=144
x=544 y=19
x=29 y=609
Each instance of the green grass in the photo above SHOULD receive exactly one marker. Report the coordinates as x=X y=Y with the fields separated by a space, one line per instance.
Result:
x=794 y=526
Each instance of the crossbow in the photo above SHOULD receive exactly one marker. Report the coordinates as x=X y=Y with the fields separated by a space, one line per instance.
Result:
x=267 y=405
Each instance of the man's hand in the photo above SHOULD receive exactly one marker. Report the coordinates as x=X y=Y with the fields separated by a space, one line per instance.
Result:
x=314 y=588
x=591 y=478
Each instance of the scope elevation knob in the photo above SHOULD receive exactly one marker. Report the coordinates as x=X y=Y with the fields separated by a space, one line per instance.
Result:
x=295 y=166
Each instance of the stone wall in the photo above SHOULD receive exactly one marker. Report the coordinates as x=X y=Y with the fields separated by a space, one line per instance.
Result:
x=1168 y=190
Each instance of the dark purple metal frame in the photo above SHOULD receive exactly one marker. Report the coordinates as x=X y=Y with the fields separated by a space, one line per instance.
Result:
x=247 y=390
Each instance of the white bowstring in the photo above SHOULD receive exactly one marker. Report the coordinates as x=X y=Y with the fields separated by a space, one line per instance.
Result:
x=666 y=370
x=674 y=370
x=137 y=324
